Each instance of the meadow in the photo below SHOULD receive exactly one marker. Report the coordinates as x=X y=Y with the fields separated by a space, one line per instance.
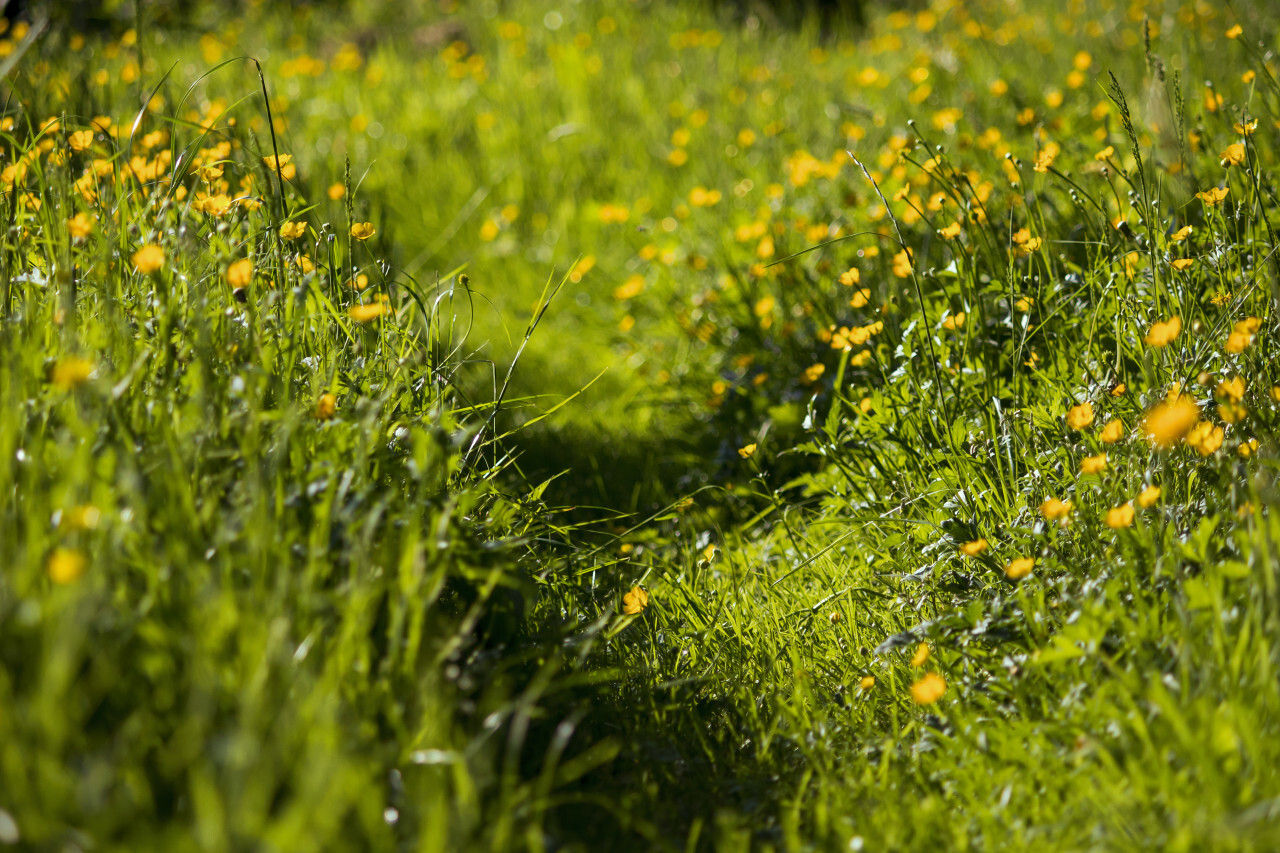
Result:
x=639 y=425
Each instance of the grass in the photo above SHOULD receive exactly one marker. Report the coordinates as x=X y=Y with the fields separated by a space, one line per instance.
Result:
x=920 y=376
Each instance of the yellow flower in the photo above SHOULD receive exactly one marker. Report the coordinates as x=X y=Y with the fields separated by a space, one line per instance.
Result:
x=1147 y=497
x=1242 y=335
x=336 y=191
x=1105 y=153
x=1081 y=416
x=1181 y=234
x=1238 y=342
x=326 y=407
x=1046 y=157
x=293 y=230
x=974 y=548
x=212 y=205
x=71 y=373
x=1112 y=432
x=80 y=226
x=1232 y=389
x=1232 y=155
x=1182 y=263
x=1054 y=509
x=283 y=165
x=1247 y=448
x=635 y=601
x=1168 y=422
x=747 y=451
x=860 y=297
x=1234 y=32
x=81 y=140
x=929 y=689
x=1247 y=128
x=1232 y=413
x=950 y=232
x=148 y=259
x=1019 y=568
x=902 y=264
x=1120 y=516
x=363 y=230
x=1213 y=195
x=1118 y=389
x=209 y=173
x=921 y=656
x=367 y=313
x=1093 y=464
x=66 y=565
x=954 y=321
x=868 y=681
x=613 y=214
x=1163 y=333
x=813 y=373
x=240 y=273
x=850 y=277
x=1205 y=437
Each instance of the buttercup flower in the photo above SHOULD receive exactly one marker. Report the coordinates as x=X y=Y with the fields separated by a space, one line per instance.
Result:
x=240 y=273
x=1080 y=417
x=929 y=689
x=1163 y=333
x=1147 y=497
x=1019 y=568
x=66 y=565
x=148 y=259
x=635 y=601
x=326 y=407
x=1121 y=516
x=1168 y=422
